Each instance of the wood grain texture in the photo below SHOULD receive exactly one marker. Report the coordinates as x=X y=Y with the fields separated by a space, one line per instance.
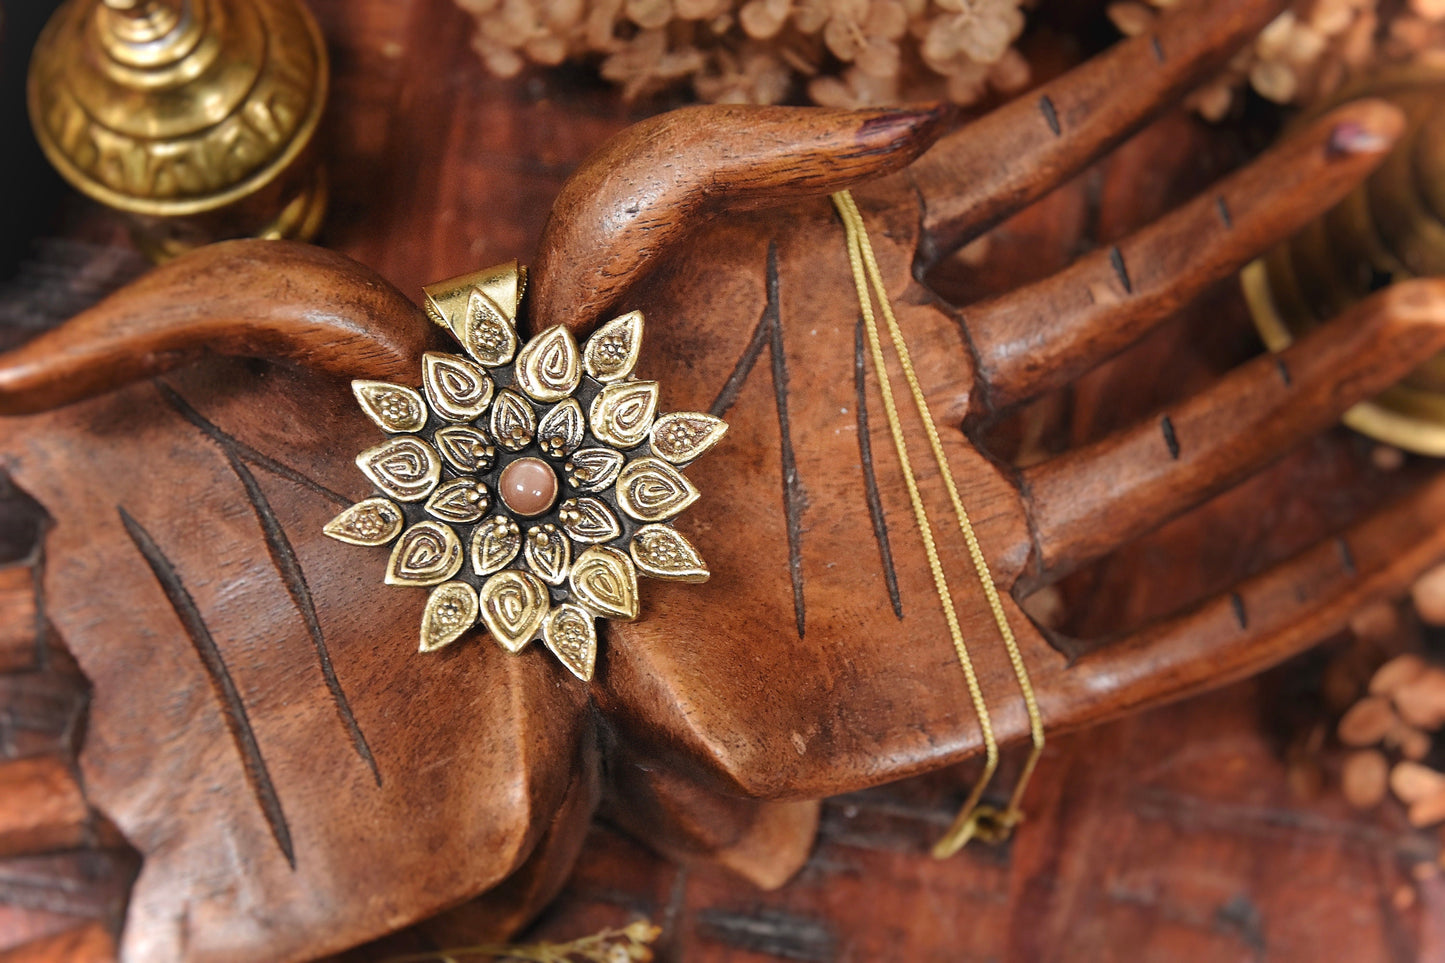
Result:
x=645 y=189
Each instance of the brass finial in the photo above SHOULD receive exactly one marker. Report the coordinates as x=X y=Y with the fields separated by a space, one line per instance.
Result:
x=194 y=117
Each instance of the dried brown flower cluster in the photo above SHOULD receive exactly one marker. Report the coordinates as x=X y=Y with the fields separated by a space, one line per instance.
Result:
x=844 y=53
x=1310 y=50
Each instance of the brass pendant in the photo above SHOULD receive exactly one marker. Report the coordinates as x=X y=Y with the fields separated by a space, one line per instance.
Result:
x=587 y=507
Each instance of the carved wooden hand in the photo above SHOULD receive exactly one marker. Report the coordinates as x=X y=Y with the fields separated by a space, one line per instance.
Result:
x=298 y=779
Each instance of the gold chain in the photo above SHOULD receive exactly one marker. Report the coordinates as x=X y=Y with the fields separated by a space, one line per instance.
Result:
x=985 y=822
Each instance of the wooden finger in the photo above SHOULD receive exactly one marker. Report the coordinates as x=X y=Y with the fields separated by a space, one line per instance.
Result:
x=1261 y=621
x=646 y=188
x=266 y=299
x=1088 y=501
x=977 y=176
x=1043 y=335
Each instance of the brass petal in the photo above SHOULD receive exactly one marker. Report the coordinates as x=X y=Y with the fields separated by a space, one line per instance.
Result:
x=451 y=609
x=513 y=422
x=622 y=413
x=661 y=552
x=495 y=543
x=486 y=332
x=571 y=635
x=394 y=408
x=605 y=581
x=466 y=448
x=549 y=367
x=458 y=389
x=513 y=606
x=405 y=467
x=374 y=521
x=651 y=490
x=684 y=435
x=426 y=554
x=548 y=553
x=612 y=351
x=561 y=429
x=460 y=501
x=588 y=520
x=447 y=301
x=593 y=469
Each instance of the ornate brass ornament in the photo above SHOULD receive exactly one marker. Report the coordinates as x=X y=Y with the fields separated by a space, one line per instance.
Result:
x=197 y=118
x=595 y=483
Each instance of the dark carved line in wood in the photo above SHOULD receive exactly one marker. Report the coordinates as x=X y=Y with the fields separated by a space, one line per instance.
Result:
x=1051 y=116
x=1157 y=47
x=1240 y=615
x=245 y=451
x=1347 y=557
x=870 y=478
x=233 y=708
x=728 y=396
x=1170 y=439
x=284 y=558
x=1283 y=370
x=793 y=497
x=1226 y=218
x=1116 y=259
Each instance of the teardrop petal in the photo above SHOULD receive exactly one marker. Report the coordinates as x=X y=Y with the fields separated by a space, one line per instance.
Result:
x=394 y=408
x=514 y=605
x=593 y=469
x=450 y=610
x=588 y=520
x=613 y=349
x=374 y=521
x=561 y=429
x=513 y=423
x=651 y=490
x=548 y=553
x=622 y=414
x=661 y=552
x=426 y=554
x=466 y=448
x=682 y=436
x=405 y=467
x=495 y=543
x=605 y=581
x=460 y=501
x=572 y=636
x=458 y=389
x=549 y=367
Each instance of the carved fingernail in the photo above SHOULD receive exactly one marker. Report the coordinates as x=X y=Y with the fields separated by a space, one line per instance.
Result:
x=1353 y=137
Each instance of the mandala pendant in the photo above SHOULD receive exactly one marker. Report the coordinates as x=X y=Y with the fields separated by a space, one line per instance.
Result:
x=530 y=483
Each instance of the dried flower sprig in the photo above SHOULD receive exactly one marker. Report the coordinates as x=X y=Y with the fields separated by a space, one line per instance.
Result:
x=629 y=944
x=1310 y=50
x=845 y=53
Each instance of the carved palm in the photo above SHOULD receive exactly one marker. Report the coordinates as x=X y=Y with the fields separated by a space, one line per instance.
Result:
x=298 y=778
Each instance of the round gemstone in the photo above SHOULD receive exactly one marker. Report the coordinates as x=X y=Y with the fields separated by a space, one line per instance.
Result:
x=528 y=486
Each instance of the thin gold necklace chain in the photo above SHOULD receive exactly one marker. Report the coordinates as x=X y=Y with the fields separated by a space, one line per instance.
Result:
x=974 y=819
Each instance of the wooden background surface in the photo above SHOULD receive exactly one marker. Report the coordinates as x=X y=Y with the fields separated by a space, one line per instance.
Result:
x=1209 y=830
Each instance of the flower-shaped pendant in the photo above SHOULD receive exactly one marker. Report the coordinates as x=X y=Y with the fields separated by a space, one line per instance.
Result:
x=529 y=484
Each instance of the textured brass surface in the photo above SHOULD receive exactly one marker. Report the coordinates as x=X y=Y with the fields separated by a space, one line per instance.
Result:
x=577 y=410
x=1390 y=228
x=195 y=117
